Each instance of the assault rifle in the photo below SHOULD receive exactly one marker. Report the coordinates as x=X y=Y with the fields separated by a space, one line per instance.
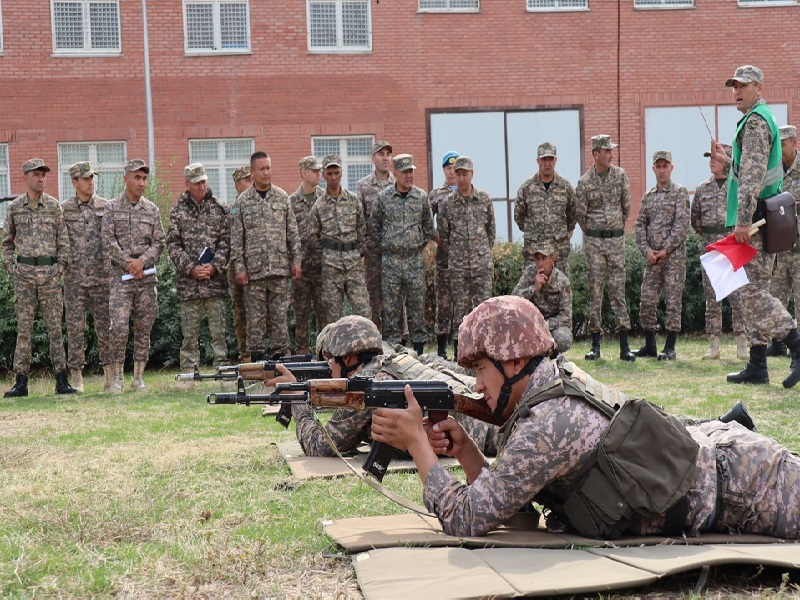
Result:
x=360 y=393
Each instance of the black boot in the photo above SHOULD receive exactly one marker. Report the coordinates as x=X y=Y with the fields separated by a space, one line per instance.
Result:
x=455 y=349
x=20 y=388
x=625 y=350
x=792 y=341
x=668 y=353
x=756 y=370
x=739 y=414
x=62 y=385
x=649 y=350
x=441 y=341
x=776 y=348
x=594 y=353
x=257 y=356
x=419 y=348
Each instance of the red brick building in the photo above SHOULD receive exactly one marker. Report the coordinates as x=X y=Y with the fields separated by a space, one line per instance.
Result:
x=493 y=77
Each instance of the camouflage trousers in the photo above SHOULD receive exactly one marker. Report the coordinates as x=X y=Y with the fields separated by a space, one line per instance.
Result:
x=191 y=317
x=785 y=282
x=373 y=265
x=444 y=299
x=668 y=275
x=606 y=260
x=764 y=315
x=268 y=299
x=78 y=300
x=336 y=284
x=306 y=297
x=563 y=338
x=714 y=308
x=471 y=289
x=239 y=312
x=139 y=298
x=562 y=254
x=403 y=276
x=34 y=286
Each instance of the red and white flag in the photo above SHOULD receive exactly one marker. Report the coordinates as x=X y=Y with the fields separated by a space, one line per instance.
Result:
x=723 y=264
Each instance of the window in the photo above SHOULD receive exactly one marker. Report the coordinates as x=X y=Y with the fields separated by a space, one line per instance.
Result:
x=221 y=158
x=663 y=3
x=339 y=26
x=356 y=153
x=107 y=158
x=768 y=2
x=534 y=5
x=216 y=26
x=449 y=5
x=86 y=27
x=5 y=181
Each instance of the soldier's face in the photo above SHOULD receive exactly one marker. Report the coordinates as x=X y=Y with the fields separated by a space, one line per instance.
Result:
x=663 y=170
x=547 y=167
x=449 y=174
x=34 y=180
x=464 y=181
x=84 y=187
x=243 y=184
x=136 y=183
x=382 y=159
x=745 y=94
x=197 y=190
x=603 y=157
x=489 y=382
x=405 y=179
x=310 y=176
x=261 y=171
x=545 y=263
x=716 y=167
x=333 y=178
x=789 y=150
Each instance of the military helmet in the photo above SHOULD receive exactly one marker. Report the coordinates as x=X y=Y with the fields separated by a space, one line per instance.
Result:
x=352 y=335
x=503 y=328
x=321 y=349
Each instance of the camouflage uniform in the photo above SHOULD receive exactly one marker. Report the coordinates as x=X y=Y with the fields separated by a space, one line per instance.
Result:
x=554 y=301
x=87 y=285
x=785 y=280
x=265 y=244
x=336 y=231
x=237 y=291
x=306 y=294
x=192 y=228
x=367 y=190
x=602 y=207
x=36 y=231
x=444 y=299
x=132 y=231
x=662 y=225
x=467 y=231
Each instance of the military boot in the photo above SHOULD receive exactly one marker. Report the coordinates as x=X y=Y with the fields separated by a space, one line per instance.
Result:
x=77 y=379
x=739 y=414
x=419 y=348
x=777 y=348
x=118 y=382
x=138 y=376
x=624 y=349
x=20 y=388
x=108 y=376
x=649 y=350
x=594 y=353
x=668 y=353
x=186 y=385
x=455 y=350
x=755 y=371
x=792 y=341
x=257 y=357
x=62 y=385
x=713 y=348
x=441 y=342
x=741 y=347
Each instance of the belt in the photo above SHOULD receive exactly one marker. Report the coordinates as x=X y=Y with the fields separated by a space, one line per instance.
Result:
x=37 y=261
x=605 y=233
x=340 y=246
x=717 y=229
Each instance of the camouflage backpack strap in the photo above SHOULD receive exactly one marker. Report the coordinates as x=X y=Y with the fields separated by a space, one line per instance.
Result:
x=552 y=389
x=578 y=382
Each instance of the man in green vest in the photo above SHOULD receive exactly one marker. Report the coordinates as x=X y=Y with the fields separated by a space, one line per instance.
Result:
x=756 y=173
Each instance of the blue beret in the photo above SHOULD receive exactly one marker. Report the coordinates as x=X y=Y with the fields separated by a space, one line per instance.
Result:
x=449 y=158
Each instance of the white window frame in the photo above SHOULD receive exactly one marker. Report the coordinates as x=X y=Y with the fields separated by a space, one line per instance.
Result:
x=223 y=163
x=765 y=3
x=663 y=4
x=339 y=48
x=556 y=7
x=5 y=170
x=347 y=161
x=217 y=26
x=449 y=8
x=104 y=170
x=87 y=49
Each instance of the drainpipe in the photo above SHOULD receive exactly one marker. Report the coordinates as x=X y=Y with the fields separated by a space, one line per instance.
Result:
x=151 y=145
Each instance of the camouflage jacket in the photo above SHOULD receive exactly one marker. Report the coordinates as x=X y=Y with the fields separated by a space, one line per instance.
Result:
x=401 y=225
x=791 y=178
x=84 y=221
x=368 y=188
x=554 y=298
x=709 y=206
x=302 y=212
x=755 y=140
x=132 y=231
x=35 y=231
x=437 y=196
x=192 y=228
x=603 y=204
x=546 y=215
x=663 y=219
x=337 y=221
x=467 y=231
x=264 y=237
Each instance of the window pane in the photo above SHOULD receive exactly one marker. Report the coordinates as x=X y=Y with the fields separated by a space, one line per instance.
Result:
x=233 y=25
x=230 y=188
x=213 y=180
x=359 y=146
x=355 y=24
x=72 y=153
x=448 y=4
x=324 y=147
x=110 y=153
x=356 y=172
x=322 y=24
x=238 y=150
x=203 y=151
x=3 y=159
x=555 y=4
x=68 y=20
x=109 y=183
x=104 y=24
x=200 y=26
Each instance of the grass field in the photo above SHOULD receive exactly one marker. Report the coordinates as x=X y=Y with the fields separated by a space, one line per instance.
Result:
x=160 y=494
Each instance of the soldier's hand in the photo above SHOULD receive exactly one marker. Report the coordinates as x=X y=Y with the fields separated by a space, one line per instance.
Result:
x=210 y=270
x=400 y=428
x=242 y=278
x=718 y=152
x=650 y=257
x=136 y=268
x=447 y=437
x=661 y=255
x=198 y=272
x=285 y=376
x=742 y=234
x=297 y=271
x=540 y=280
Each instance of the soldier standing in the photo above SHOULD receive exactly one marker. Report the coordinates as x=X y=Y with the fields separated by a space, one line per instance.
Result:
x=86 y=281
x=242 y=180
x=708 y=220
x=545 y=208
x=35 y=230
x=661 y=228
x=336 y=233
x=602 y=207
x=444 y=300
x=133 y=240
x=198 y=241
x=265 y=252
x=306 y=290
x=467 y=233
x=367 y=189
x=400 y=225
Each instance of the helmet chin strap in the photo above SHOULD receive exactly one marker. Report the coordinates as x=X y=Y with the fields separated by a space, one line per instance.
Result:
x=345 y=369
x=508 y=382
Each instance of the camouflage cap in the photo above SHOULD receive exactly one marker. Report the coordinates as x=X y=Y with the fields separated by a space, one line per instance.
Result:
x=310 y=163
x=546 y=149
x=321 y=348
x=603 y=141
x=332 y=160
x=662 y=155
x=82 y=170
x=728 y=150
x=136 y=164
x=464 y=163
x=746 y=74
x=403 y=162
x=503 y=328
x=34 y=164
x=544 y=248
x=195 y=173
x=352 y=335
x=241 y=173
x=449 y=158
x=378 y=146
x=788 y=132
